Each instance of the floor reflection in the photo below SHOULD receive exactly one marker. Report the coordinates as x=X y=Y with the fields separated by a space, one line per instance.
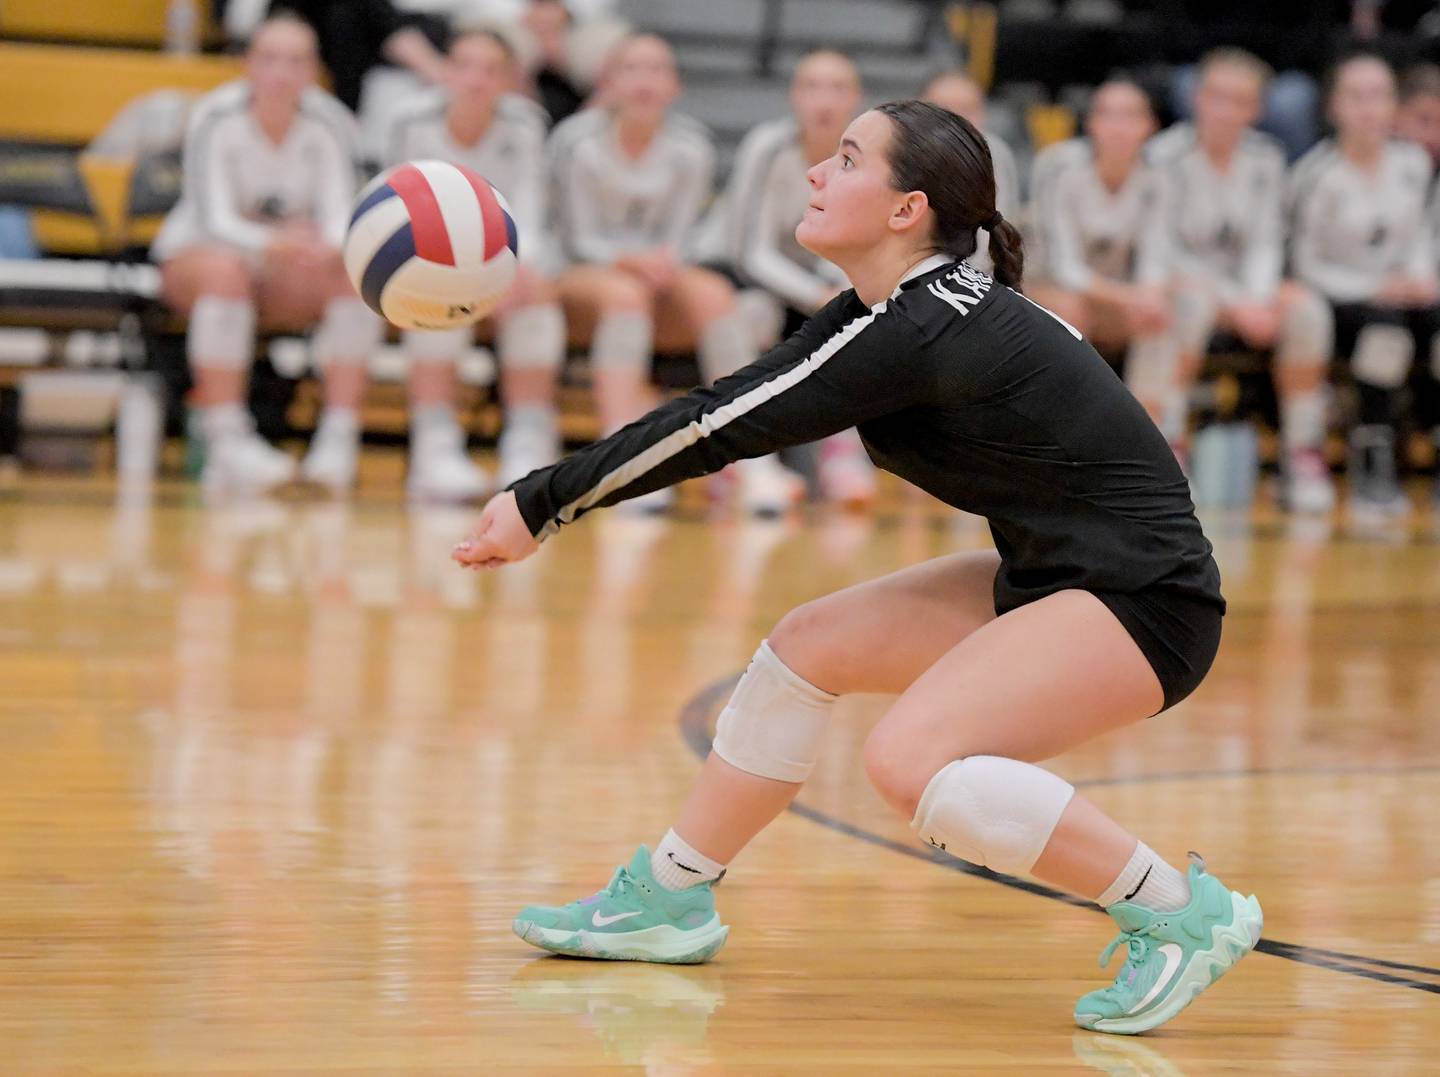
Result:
x=652 y=1017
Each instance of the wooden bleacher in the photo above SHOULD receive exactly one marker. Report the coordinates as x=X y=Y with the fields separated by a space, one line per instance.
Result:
x=63 y=96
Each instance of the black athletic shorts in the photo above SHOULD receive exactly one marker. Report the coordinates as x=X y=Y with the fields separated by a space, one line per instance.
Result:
x=1178 y=634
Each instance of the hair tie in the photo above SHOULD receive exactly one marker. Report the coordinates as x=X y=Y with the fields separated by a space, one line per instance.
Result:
x=994 y=222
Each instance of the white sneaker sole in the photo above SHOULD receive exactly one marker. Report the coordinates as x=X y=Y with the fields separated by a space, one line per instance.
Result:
x=1228 y=944
x=662 y=944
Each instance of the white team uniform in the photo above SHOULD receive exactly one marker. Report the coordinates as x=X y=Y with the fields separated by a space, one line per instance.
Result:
x=1228 y=237
x=1084 y=228
x=604 y=204
x=1350 y=231
x=764 y=202
x=511 y=155
x=237 y=185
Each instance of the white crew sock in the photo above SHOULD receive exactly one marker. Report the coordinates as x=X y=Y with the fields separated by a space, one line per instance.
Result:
x=222 y=421
x=531 y=417
x=1149 y=881
x=338 y=422
x=1302 y=420
x=424 y=417
x=676 y=865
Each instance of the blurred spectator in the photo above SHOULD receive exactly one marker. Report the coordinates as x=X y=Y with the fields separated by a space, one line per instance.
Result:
x=962 y=95
x=477 y=123
x=150 y=124
x=628 y=184
x=1102 y=260
x=1361 y=237
x=1419 y=117
x=269 y=176
x=1229 y=248
x=556 y=88
x=564 y=48
x=354 y=36
x=1295 y=37
x=765 y=201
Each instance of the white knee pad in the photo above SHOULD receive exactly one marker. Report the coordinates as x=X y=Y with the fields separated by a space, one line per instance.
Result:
x=1307 y=332
x=221 y=332
x=532 y=338
x=437 y=345
x=623 y=342
x=349 y=332
x=995 y=812
x=1194 y=312
x=1383 y=356
x=774 y=721
x=725 y=346
x=1152 y=365
x=763 y=314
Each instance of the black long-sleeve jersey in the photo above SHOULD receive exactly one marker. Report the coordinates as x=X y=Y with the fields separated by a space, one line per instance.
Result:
x=963 y=387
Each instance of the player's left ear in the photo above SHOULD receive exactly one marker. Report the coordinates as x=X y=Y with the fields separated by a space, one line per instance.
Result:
x=910 y=212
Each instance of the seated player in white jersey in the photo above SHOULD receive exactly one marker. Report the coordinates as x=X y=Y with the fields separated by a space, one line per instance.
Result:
x=765 y=200
x=1100 y=221
x=269 y=175
x=1361 y=236
x=478 y=123
x=628 y=183
x=1227 y=182
x=962 y=95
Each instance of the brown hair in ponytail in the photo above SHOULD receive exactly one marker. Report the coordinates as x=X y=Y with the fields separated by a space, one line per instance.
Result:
x=935 y=151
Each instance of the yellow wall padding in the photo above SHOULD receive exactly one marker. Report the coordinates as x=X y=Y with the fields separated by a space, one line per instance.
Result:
x=131 y=22
x=67 y=94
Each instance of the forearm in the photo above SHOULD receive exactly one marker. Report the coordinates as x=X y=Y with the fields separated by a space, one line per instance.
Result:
x=411 y=49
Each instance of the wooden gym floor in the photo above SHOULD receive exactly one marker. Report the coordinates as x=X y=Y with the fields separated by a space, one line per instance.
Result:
x=275 y=777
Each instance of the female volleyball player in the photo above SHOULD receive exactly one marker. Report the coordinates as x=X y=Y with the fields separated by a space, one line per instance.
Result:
x=1100 y=607
x=628 y=181
x=269 y=175
x=1361 y=236
x=480 y=124
x=764 y=201
x=1229 y=250
x=1103 y=225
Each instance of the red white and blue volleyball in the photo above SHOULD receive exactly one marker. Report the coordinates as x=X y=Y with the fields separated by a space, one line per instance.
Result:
x=431 y=245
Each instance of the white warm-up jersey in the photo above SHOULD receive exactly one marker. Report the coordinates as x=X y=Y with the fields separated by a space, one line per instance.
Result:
x=764 y=202
x=1351 y=229
x=237 y=185
x=605 y=204
x=1085 y=228
x=1227 y=230
x=510 y=155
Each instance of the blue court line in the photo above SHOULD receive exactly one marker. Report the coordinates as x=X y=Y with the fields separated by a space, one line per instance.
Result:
x=695 y=729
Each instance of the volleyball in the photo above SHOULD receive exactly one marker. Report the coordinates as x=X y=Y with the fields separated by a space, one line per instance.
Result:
x=431 y=245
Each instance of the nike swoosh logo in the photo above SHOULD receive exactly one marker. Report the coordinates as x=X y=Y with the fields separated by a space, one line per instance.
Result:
x=606 y=921
x=684 y=867
x=1140 y=883
x=1172 y=954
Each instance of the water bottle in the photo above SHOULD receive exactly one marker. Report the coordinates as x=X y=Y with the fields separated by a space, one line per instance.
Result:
x=1242 y=458
x=138 y=428
x=1208 y=467
x=195 y=442
x=1224 y=464
x=182 y=27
